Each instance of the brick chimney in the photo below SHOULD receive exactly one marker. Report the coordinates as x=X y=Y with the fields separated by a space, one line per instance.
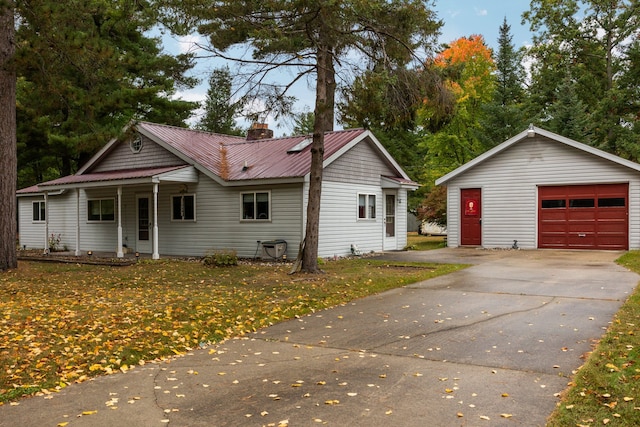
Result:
x=259 y=131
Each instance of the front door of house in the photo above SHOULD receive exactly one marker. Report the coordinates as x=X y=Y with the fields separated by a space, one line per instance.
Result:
x=471 y=217
x=390 y=239
x=143 y=238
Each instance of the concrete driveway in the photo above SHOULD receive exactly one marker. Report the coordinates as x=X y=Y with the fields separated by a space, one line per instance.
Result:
x=491 y=345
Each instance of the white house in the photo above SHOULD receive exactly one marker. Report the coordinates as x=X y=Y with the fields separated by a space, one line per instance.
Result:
x=173 y=191
x=542 y=190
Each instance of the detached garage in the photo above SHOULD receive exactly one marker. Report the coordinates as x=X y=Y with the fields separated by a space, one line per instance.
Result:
x=542 y=190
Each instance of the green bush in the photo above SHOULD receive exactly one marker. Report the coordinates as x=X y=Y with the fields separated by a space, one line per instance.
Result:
x=221 y=258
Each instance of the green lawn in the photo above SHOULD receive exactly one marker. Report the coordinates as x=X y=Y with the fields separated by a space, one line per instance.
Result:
x=606 y=390
x=417 y=242
x=63 y=323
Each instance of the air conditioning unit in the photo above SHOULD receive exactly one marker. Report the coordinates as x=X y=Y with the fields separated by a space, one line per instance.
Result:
x=274 y=249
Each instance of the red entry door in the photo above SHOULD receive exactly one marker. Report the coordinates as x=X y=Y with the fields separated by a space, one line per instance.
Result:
x=471 y=217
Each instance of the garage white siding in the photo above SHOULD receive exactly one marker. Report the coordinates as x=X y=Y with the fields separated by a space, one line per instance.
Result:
x=509 y=182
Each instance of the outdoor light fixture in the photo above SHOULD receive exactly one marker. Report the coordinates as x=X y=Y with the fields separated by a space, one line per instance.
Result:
x=89 y=253
x=531 y=132
x=137 y=256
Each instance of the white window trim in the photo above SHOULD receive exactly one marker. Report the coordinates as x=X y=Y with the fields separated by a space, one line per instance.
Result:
x=367 y=209
x=95 y=221
x=136 y=144
x=255 y=205
x=182 y=195
x=41 y=219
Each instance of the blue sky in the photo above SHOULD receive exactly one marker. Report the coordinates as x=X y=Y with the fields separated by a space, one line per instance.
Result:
x=461 y=18
x=467 y=17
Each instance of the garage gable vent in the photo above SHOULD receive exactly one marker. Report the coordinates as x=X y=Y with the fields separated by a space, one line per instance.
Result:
x=300 y=146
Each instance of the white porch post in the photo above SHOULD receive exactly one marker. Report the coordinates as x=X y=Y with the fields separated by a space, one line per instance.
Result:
x=120 y=253
x=156 y=254
x=77 y=222
x=46 y=222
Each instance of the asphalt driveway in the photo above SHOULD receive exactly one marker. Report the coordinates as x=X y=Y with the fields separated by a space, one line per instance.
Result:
x=490 y=345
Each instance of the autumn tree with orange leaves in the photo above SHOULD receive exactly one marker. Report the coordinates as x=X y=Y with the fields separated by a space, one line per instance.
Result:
x=467 y=68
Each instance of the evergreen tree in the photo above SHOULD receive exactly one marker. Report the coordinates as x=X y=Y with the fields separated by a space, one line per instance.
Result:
x=568 y=115
x=314 y=37
x=220 y=110
x=303 y=123
x=86 y=69
x=587 y=42
x=504 y=116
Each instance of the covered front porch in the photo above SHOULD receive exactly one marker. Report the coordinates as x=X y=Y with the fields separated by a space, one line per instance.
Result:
x=101 y=221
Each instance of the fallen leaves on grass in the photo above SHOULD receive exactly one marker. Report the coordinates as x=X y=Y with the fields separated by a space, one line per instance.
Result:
x=64 y=323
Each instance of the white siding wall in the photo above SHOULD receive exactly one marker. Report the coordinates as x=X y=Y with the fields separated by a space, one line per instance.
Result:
x=218 y=224
x=356 y=172
x=359 y=165
x=339 y=223
x=31 y=233
x=509 y=182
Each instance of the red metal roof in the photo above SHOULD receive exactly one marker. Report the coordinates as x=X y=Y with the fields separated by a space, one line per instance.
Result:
x=271 y=158
x=265 y=158
x=106 y=176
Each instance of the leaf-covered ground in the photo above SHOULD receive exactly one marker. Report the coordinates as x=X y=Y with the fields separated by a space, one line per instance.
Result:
x=606 y=390
x=63 y=323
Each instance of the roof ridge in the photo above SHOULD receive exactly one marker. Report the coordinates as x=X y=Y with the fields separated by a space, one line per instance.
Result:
x=191 y=130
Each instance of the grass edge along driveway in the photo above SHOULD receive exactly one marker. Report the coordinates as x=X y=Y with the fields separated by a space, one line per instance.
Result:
x=606 y=389
x=65 y=323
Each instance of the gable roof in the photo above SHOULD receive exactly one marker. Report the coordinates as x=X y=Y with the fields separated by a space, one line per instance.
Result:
x=229 y=160
x=531 y=132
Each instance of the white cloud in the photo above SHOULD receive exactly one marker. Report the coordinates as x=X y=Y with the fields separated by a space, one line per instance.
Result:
x=481 y=12
x=190 y=43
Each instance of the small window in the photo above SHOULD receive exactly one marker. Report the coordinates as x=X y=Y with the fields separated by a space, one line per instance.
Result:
x=612 y=202
x=582 y=203
x=136 y=144
x=366 y=206
x=256 y=206
x=101 y=210
x=183 y=207
x=554 y=204
x=39 y=212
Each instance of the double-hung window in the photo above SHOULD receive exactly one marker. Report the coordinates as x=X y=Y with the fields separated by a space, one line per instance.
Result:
x=366 y=206
x=183 y=207
x=39 y=212
x=256 y=206
x=101 y=210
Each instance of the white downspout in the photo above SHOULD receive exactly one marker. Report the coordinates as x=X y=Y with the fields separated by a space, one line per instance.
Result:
x=77 y=222
x=156 y=254
x=120 y=253
x=46 y=222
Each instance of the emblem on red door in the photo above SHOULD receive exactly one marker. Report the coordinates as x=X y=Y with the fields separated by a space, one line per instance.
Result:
x=471 y=207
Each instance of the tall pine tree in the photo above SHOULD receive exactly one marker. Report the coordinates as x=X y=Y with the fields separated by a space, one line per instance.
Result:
x=8 y=156
x=589 y=43
x=314 y=37
x=220 y=109
x=85 y=70
x=505 y=115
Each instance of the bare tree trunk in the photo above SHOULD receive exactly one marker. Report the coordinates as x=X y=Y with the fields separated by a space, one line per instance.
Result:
x=8 y=144
x=324 y=112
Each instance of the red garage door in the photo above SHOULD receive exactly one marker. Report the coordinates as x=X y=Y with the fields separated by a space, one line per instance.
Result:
x=583 y=217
